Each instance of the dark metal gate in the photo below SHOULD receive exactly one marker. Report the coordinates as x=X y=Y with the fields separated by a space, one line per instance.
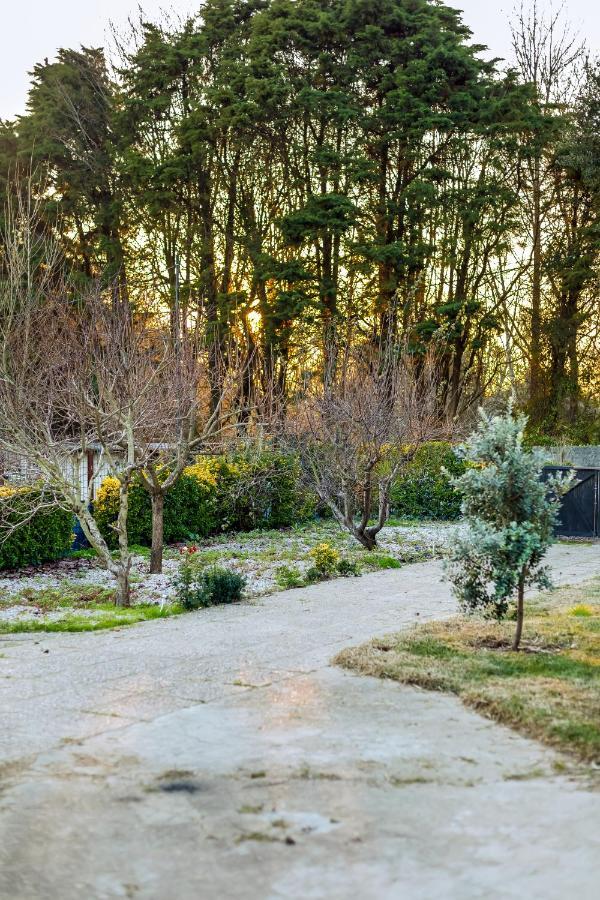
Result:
x=580 y=510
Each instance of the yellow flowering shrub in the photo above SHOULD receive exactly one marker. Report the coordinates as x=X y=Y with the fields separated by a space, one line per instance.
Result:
x=325 y=558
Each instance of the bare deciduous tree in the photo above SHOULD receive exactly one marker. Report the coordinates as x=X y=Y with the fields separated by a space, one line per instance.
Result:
x=355 y=435
x=195 y=418
x=75 y=376
x=548 y=54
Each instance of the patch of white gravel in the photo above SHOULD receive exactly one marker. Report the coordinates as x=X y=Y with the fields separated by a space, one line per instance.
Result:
x=255 y=556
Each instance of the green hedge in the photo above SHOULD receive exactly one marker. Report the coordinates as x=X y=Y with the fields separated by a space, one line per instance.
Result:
x=189 y=511
x=260 y=491
x=217 y=494
x=45 y=537
x=424 y=490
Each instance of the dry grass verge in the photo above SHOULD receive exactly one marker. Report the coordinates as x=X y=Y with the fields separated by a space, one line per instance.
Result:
x=550 y=690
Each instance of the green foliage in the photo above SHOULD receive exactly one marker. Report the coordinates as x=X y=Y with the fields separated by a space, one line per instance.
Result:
x=197 y=587
x=313 y=575
x=329 y=562
x=582 y=610
x=547 y=432
x=288 y=577
x=101 y=618
x=260 y=490
x=326 y=559
x=425 y=490
x=68 y=135
x=222 y=493
x=316 y=103
x=190 y=509
x=46 y=536
x=217 y=494
x=510 y=514
x=348 y=567
x=383 y=561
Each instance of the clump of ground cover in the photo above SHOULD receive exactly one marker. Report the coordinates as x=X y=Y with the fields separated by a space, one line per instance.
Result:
x=549 y=691
x=202 y=587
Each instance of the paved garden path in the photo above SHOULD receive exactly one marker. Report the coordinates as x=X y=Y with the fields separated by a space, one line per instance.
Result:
x=218 y=755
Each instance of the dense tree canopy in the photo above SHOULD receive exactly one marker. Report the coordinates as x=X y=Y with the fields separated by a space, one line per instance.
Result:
x=292 y=177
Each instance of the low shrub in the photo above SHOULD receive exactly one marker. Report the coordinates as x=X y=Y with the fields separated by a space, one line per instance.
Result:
x=314 y=575
x=327 y=563
x=347 y=568
x=220 y=586
x=217 y=494
x=197 y=588
x=288 y=577
x=326 y=559
x=48 y=535
x=424 y=490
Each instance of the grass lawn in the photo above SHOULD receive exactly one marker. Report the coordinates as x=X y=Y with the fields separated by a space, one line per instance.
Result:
x=98 y=618
x=550 y=690
x=80 y=608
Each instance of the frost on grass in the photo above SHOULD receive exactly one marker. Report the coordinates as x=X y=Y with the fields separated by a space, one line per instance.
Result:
x=81 y=586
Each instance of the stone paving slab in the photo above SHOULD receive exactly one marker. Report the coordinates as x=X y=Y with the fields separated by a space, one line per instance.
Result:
x=218 y=755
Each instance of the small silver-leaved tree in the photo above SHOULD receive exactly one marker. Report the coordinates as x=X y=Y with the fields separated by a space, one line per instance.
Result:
x=510 y=516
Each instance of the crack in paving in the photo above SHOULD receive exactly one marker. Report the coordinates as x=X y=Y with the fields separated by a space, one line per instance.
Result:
x=227 y=712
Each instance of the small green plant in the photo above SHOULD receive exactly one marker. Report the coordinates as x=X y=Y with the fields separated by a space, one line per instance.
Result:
x=196 y=587
x=288 y=577
x=326 y=559
x=313 y=575
x=383 y=561
x=186 y=578
x=83 y=553
x=221 y=586
x=348 y=567
x=582 y=610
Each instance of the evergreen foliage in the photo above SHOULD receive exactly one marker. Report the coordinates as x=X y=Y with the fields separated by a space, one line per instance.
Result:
x=510 y=515
x=45 y=536
x=240 y=492
x=425 y=490
x=297 y=175
x=198 y=588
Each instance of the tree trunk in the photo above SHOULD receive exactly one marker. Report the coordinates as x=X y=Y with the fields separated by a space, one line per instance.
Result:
x=94 y=536
x=369 y=541
x=123 y=587
x=536 y=405
x=156 y=556
x=122 y=574
x=520 y=611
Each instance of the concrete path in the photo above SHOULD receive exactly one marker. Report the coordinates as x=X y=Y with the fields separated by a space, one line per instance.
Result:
x=218 y=755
